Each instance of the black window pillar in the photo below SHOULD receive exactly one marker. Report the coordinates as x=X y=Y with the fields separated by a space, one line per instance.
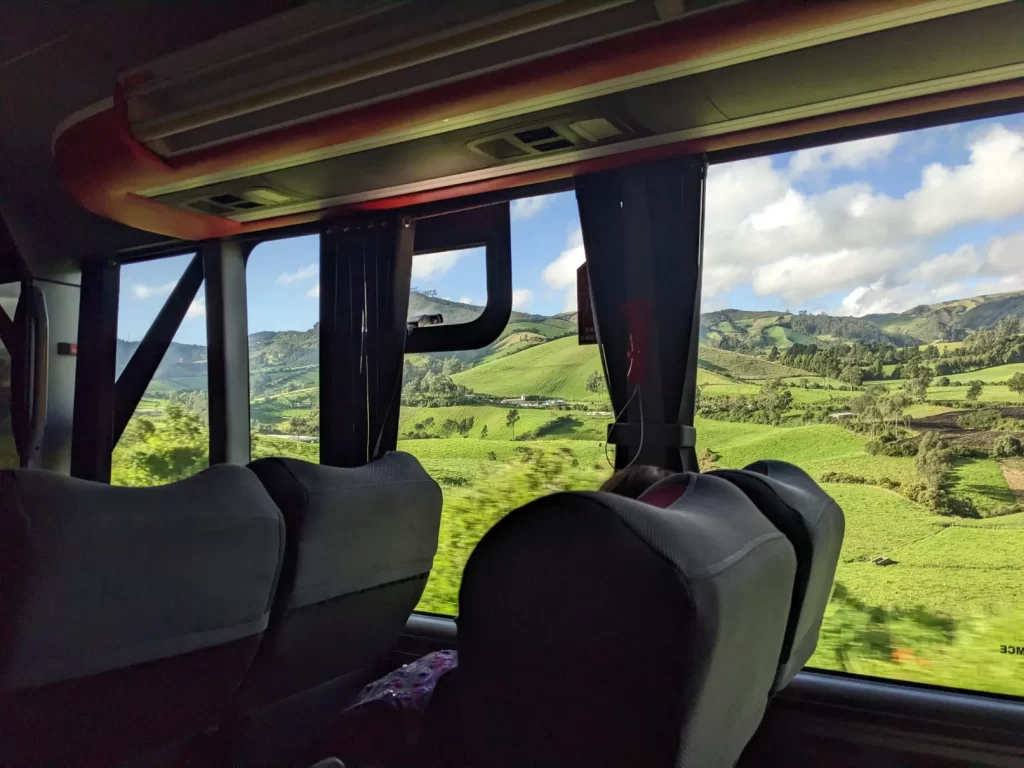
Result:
x=366 y=268
x=227 y=351
x=642 y=230
x=92 y=432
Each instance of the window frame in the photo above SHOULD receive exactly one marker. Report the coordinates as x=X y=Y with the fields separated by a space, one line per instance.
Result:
x=923 y=710
x=487 y=226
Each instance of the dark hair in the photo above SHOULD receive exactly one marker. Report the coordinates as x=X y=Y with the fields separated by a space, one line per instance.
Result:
x=633 y=481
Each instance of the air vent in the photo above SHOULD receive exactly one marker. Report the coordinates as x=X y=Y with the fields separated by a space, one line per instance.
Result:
x=205 y=206
x=596 y=129
x=500 y=149
x=227 y=199
x=534 y=135
x=253 y=199
x=220 y=205
x=552 y=146
x=558 y=135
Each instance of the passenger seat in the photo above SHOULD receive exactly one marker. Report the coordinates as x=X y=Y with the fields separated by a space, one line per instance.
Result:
x=815 y=525
x=128 y=616
x=360 y=546
x=602 y=631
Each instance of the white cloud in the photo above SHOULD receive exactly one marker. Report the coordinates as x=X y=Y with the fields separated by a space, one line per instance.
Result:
x=560 y=274
x=1006 y=254
x=314 y=292
x=141 y=291
x=197 y=308
x=432 y=265
x=965 y=261
x=521 y=299
x=850 y=154
x=527 y=207
x=471 y=301
x=797 y=277
x=804 y=247
x=987 y=188
x=302 y=273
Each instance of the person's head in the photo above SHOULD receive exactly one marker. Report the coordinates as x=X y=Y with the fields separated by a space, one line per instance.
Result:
x=631 y=482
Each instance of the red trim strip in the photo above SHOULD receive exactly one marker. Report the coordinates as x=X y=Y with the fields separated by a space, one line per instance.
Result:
x=102 y=165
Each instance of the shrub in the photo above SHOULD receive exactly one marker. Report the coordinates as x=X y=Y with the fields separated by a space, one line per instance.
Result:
x=967 y=452
x=897 y=448
x=849 y=479
x=942 y=381
x=446 y=480
x=1006 y=509
x=707 y=459
x=983 y=418
x=1007 y=446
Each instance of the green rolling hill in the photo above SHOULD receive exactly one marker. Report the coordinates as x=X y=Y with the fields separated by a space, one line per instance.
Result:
x=952 y=320
x=737 y=366
x=538 y=354
x=555 y=369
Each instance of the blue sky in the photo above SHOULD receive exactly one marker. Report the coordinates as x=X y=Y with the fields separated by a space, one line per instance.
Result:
x=878 y=225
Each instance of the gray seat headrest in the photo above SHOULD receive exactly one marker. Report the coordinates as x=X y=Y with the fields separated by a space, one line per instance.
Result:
x=600 y=630
x=128 y=616
x=815 y=525
x=121 y=576
x=353 y=528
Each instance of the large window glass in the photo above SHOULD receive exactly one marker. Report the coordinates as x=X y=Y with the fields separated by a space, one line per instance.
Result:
x=523 y=417
x=167 y=438
x=283 y=293
x=427 y=305
x=861 y=318
x=9 y=293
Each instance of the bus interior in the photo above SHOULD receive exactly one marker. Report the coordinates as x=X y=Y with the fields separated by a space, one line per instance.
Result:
x=323 y=323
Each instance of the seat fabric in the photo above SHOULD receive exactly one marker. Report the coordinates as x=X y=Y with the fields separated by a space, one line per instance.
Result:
x=360 y=546
x=815 y=525
x=128 y=616
x=597 y=630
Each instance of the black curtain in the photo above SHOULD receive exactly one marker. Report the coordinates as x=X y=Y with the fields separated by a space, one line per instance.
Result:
x=642 y=229
x=366 y=266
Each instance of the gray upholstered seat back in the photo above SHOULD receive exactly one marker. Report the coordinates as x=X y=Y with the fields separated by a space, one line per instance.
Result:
x=815 y=525
x=361 y=542
x=129 y=615
x=598 y=630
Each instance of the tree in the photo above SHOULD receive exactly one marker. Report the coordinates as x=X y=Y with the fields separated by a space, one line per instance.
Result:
x=483 y=433
x=1017 y=385
x=452 y=366
x=510 y=421
x=773 y=355
x=974 y=390
x=942 y=381
x=933 y=459
x=774 y=399
x=917 y=389
x=466 y=425
x=156 y=452
x=449 y=427
x=852 y=375
x=596 y=383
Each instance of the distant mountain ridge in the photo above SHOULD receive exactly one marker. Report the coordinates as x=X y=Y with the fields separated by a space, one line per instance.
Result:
x=276 y=352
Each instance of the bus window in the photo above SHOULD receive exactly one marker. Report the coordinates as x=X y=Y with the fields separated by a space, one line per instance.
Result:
x=8 y=451
x=523 y=417
x=434 y=276
x=167 y=438
x=861 y=318
x=283 y=292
